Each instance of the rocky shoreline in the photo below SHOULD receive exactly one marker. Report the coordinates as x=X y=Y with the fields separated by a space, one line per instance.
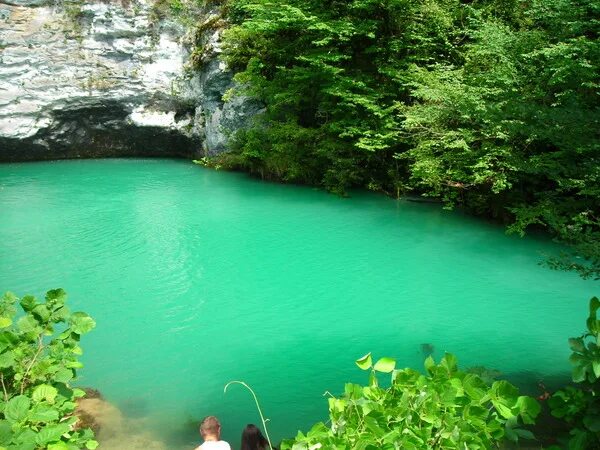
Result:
x=113 y=430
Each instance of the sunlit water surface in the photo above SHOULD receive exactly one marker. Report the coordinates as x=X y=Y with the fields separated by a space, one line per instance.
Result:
x=197 y=277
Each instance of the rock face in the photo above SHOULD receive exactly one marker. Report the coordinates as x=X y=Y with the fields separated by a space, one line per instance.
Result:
x=207 y=86
x=106 y=79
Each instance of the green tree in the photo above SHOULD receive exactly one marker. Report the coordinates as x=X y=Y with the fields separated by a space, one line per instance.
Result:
x=513 y=130
x=491 y=105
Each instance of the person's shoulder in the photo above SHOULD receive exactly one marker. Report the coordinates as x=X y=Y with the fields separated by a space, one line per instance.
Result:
x=214 y=445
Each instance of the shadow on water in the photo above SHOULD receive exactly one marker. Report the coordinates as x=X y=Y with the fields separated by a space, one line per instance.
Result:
x=134 y=407
x=427 y=350
x=535 y=383
x=185 y=436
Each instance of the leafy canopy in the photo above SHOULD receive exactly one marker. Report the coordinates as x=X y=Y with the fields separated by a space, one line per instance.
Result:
x=491 y=105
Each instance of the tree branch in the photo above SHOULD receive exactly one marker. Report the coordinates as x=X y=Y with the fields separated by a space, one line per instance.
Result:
x=31 y=363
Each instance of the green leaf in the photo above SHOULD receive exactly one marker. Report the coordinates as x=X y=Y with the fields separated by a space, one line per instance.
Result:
x=56 y=296
x=319 y=430
x=81 y=323
x=17 y=408
x=25 y=440
x=524 y=434
x=6 y=360
x=59 y=446
x=44 y=392
x=385 y=365
x=336 y=404
x=91 y=444
x=77 y=350
x=63 y=375
x=74 y=365
x=373 y=426
x=594 y=326
x=577 y=345
x=9 y=298
x=27 y=324
x=578 y=441
x=28 y=303
x=43 y=413
x=5 y=322
x=373 y=379
x=450 y=362
x=505 y=390
x=458 y=386
x=594 y=305
x=5 y=433
x=596 y=367
x=78 y=393
x=51 y=433
x=528 y=408
x=365 y=362
x=578 y=374
x=592 y=422
x=429 y=364
x=474 y=387
x=511 y=435
x=60 y=314
x=504 y=410
x=41 y=313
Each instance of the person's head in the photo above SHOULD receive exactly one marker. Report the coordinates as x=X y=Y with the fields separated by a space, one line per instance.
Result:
x=252 y=439
x=210 y=428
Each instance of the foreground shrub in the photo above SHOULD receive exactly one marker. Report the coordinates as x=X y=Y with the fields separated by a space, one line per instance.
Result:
x=445 y=409
x=39 y=350
x=580 y=406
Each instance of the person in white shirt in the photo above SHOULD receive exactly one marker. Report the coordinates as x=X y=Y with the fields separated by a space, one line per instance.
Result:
x=210 y=430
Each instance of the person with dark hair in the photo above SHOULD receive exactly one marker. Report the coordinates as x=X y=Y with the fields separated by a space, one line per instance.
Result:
x=252 y=439
x=210 y=430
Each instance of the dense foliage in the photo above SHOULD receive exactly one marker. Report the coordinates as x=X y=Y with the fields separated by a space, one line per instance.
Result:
x=580 y=406
x=444 y=409
x=39 y=352
x=488 y=104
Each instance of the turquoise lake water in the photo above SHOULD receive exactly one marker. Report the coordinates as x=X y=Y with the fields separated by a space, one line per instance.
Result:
x=198 y=277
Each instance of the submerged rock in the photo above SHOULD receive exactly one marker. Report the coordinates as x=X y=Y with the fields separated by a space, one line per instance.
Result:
x=427 y=349
x=106 y=79
x=113 y=430
x=93 y=393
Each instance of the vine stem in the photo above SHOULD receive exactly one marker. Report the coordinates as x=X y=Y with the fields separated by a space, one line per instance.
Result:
x=4 y=387
x=262 y=418
x=39 y=350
